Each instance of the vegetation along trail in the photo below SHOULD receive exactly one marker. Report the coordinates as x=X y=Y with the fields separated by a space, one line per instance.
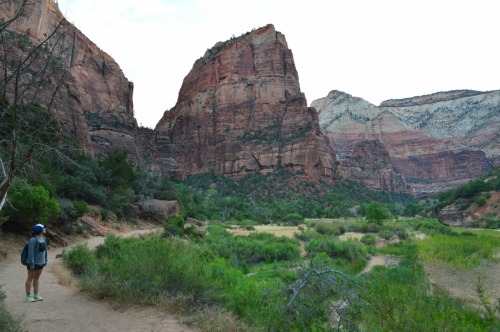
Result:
x=67 y=309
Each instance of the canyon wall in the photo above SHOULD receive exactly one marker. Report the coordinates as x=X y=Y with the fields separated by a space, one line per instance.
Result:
x=93 y=100
x=434 y=142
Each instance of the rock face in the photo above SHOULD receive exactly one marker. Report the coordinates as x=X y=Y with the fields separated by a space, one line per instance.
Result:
x=453 y=215
x=461 y=120
x=240 y=110
x=94 y=100
x=435 y=142
x=354 y=128
x=370 y=164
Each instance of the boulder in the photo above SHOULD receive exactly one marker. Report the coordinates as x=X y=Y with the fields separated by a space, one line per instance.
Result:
x=91 y=225
x=158 y=210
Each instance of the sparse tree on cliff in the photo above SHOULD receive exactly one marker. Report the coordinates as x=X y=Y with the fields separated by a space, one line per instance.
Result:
x=30 y=79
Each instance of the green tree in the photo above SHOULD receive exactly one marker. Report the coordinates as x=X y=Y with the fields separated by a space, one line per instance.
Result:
x=376 y=213
x=412 y=209
x=118 y=170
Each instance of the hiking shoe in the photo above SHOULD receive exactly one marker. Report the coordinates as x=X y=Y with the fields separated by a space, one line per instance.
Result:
x=30 y=299
x=38 y=297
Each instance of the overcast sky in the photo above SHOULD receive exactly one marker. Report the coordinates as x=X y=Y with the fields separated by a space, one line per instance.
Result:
x=374 y=49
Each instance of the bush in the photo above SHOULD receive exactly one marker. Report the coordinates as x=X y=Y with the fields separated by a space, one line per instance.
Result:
x=32 y=204
x=480 y=200
x=293 y=219
x=329 y=229
x=412 y=210
x=385 y=234
x=402 y=234
x=349 y=251
x=80 y=260
x=71 y=211
x=369 y=240
x=81 y=208
x=175 y=227
x=306 y=235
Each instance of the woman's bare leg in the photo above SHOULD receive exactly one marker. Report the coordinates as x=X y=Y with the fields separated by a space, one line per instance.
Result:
x=29 y=280
x=35 y=281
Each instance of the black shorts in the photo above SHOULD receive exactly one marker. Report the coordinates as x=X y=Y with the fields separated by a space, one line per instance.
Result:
x=37 y=267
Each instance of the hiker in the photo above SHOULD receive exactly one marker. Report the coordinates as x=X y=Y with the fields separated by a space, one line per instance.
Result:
x=37 y=259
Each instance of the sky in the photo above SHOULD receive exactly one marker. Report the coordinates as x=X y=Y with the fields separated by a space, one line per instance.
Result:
x=376 y=50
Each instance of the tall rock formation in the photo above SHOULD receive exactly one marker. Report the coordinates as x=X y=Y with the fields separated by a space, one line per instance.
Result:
x=94 y=99
x=436 y=142
x=240 y=110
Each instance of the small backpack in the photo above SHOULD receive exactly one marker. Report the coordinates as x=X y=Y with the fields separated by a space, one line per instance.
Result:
x=24 y=253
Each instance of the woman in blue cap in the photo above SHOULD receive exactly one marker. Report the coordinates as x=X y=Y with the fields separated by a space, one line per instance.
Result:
x=37 y=259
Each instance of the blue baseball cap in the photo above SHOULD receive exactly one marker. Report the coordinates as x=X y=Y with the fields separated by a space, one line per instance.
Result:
x=38 y=229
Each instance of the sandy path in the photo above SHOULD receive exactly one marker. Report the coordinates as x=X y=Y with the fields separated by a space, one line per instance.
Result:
x=67 y=309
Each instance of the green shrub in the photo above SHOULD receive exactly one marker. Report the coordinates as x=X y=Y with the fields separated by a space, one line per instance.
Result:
x=402 y=234
x=349 y=251
x=71 y=211
x=81 y=208
x=175 y=226
x=306 y=235
x=412 y=210
x=363 y=227
x=80 y=260
x=480 y=200
x=329 y=229
x=369 y=240
x=104 y=214
x=31 y=204
x=386 y=234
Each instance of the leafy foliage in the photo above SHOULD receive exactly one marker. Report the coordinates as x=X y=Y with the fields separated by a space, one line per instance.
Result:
x=376 y=213
x=31 y=205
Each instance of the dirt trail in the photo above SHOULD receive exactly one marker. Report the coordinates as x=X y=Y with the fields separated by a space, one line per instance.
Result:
x=68 y=309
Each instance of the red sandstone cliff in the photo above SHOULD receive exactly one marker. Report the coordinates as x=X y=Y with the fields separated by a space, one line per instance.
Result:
x=94 y=100
x=240 y=110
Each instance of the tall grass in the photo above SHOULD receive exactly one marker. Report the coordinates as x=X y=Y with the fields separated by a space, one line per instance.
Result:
x=147 y=271
x=400 y=299
x=461 y=250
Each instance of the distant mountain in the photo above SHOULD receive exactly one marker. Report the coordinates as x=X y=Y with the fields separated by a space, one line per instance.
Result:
x=433 y=142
